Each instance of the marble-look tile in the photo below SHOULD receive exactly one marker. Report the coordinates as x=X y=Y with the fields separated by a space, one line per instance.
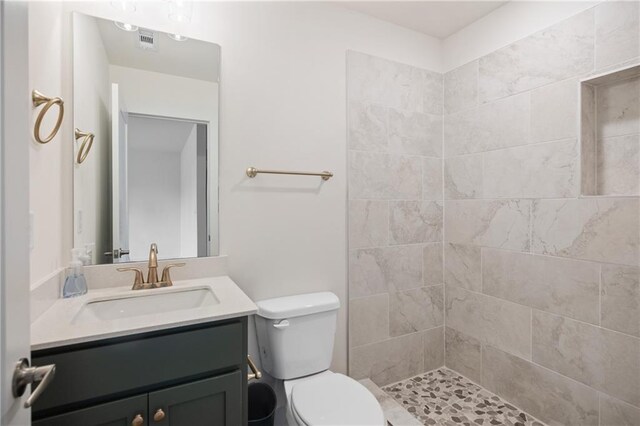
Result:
x=462 y=266
x=547 y=395
x=617 y=413
x=431 y=178
x=461 y=88
x=394 y=413
x=376 y=80
x=499 y=124
x=617 y=29
x=492 y=321
x=384 y=270
x=562 y=286
x=369 y=175
x=618 y=108
x=388 y=361
x=433 y=348
x=548 y=170
x=463 y=354
x=445 y=398
x=430 y=88
x=588 y=139
x=368 y=319
x=368 y=223
x=432 y=264
x=415 y=133
x=561 y=51
x=405 y=177
x=603 y=359
x=621 y=298
x=554 y=112
x=367 y=126
x=416 y=310
x=463 y=177
x=491 y=223
x=415 y=222
x=602 y=229
x=618 y=165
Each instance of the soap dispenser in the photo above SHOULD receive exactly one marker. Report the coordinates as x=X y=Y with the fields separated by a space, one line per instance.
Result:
x=75 y=284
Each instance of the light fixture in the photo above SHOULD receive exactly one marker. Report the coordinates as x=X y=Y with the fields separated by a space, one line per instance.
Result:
x=126 y=27
x=124 y=5
x=180 y=10
x=177 y=37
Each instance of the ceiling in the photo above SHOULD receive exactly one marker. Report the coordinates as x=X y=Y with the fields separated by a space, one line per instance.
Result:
x=435 y=18
x=158 y=134
x=191 y=58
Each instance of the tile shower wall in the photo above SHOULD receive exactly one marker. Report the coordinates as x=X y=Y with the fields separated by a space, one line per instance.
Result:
x=542 y=286
x=396 y=291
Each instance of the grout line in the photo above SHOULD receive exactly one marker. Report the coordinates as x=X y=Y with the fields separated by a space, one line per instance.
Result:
x=548 y=312
x=600 y=295
x=599 y=408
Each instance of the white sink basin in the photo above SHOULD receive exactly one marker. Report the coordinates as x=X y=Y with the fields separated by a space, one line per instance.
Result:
x=147 y=302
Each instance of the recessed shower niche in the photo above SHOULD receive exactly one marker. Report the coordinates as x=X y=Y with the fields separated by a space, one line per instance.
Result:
x=610 y=133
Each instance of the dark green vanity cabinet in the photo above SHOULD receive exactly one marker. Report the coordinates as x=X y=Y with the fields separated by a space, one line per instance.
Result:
x=184 y=376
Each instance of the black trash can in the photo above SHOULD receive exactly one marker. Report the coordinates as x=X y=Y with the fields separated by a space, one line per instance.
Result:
x=262 y=404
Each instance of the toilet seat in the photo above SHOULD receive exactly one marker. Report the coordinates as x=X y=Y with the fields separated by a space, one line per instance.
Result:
x=334 y=399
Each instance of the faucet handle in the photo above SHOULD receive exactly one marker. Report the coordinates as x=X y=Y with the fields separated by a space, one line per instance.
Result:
x=138 y=281
x=166 y=275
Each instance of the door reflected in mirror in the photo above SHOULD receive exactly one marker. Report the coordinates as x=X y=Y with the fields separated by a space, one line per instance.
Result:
x=152 y=173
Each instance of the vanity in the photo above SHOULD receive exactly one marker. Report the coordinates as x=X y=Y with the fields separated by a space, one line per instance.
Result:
x=165 y=356
x=145 y=171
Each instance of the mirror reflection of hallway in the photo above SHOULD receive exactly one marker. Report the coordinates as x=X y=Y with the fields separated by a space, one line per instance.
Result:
x=167 y=186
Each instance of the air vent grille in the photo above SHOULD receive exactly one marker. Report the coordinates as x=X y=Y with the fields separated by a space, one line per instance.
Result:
x=147 y=40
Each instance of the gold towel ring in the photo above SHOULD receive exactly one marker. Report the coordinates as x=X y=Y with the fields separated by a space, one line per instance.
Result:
x=39 y=99
x=85 y=146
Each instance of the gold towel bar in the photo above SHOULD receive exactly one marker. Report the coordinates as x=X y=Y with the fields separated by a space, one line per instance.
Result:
x=85 y=147
x=252 y=172
x=39 y=99
x=255 y=373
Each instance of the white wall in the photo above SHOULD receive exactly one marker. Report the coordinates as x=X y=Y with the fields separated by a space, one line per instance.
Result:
x=92 y=208
x=282 y=106
x=162 y=188
x=50 y=165
x=189 y=196
x=154 y=203
x=505 y=25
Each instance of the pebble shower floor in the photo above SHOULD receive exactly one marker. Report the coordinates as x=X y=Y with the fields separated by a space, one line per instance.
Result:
x=442 y=397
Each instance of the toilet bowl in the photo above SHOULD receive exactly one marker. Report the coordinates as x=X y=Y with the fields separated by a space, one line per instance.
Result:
x=295 y=338
x=329 y=398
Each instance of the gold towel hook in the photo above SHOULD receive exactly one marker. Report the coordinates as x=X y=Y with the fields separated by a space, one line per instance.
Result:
x=39 y=99
x=85 y=146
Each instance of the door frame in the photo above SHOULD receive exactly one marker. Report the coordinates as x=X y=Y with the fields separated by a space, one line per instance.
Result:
x=15 y=110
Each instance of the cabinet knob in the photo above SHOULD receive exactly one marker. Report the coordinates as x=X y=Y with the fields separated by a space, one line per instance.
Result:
x=159 y=415
x=138 y=420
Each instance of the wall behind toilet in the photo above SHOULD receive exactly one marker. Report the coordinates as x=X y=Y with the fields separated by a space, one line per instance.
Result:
x=282 y=106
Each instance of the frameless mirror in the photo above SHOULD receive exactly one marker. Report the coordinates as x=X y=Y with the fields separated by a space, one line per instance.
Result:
x=146 y=147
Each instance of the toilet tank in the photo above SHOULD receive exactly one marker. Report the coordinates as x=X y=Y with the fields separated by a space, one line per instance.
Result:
x=296 y=334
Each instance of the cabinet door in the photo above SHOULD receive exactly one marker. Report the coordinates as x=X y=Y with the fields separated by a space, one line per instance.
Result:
x=124 y=412
x=216 y=401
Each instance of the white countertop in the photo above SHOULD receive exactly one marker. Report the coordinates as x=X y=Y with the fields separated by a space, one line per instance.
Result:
x=55 y=327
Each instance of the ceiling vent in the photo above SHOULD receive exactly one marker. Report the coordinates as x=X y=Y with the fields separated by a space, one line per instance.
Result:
x=147 y=40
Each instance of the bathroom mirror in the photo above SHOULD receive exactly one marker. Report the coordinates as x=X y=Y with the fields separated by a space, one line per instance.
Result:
x=146 y=142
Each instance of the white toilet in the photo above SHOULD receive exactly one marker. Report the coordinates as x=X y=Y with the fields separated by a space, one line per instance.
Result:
x=295 y=335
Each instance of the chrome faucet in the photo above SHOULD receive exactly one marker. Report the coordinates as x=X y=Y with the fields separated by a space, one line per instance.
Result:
x=152 y=275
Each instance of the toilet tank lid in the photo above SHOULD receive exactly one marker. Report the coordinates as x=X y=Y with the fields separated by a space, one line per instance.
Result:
x=299 y=305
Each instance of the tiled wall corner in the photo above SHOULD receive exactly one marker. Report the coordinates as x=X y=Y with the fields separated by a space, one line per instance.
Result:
x=396 y=289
